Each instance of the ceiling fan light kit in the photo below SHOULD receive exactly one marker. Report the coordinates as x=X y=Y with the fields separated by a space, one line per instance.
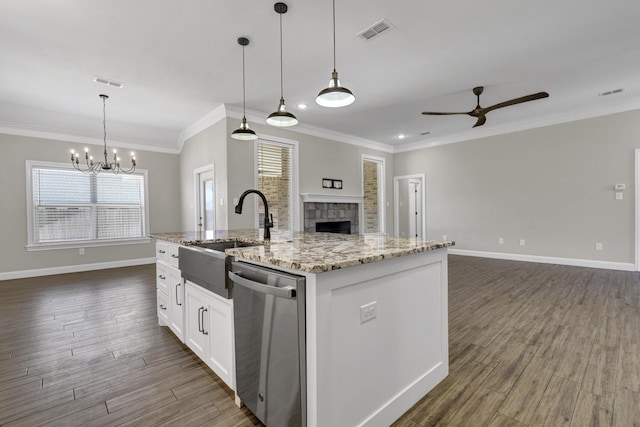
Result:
x=480 y=112
x=281 y=117
x=243 y=132
x=335 y=95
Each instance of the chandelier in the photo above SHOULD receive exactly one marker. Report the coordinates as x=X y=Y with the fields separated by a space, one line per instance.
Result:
x=97 y=167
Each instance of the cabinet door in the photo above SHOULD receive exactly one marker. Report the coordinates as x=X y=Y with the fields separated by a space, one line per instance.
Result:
x=195 y=334
x=176 y=294
x=164 y=308
x=162 y=251
x=220 y=354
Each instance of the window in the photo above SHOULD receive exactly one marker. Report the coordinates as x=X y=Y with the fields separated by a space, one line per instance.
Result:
x=276 y=171
x=373 y=184
x=69 y=207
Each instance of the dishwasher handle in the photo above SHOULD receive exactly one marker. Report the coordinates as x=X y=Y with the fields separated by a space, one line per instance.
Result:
x=288 y=292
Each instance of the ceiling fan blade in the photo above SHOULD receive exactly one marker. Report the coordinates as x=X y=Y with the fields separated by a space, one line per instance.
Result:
x=520 y=100
x=481 y=120
x=432 y=113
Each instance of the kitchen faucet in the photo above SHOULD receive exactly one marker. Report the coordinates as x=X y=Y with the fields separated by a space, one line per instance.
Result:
x=268 y=219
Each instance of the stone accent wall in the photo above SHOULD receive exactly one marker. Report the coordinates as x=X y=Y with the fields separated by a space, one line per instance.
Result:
x=330 y=212
x=276 y=190
x=371 y=220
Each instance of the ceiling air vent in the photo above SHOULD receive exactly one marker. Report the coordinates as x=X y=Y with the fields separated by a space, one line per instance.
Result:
x=107 y=82
x=375 y=29
x=611 y=92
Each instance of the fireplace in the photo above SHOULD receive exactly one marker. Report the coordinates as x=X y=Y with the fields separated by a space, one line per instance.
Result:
x=340 y=227
x=331 y=208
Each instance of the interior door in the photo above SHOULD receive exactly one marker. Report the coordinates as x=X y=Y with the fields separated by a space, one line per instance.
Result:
x=415 y=208
x=206 y=202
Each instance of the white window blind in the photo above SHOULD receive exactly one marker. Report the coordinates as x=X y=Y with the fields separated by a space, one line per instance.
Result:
x=275 y=181
x=71 y=206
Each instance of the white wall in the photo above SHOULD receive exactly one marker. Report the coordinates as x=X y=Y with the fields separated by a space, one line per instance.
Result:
x=164 y=212
x=205 y=148
x=552 y=186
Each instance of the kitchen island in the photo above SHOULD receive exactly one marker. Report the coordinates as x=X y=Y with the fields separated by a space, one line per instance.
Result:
x=376 y=318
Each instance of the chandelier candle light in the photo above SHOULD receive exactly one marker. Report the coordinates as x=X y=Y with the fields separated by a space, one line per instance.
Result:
x=281 y=117
x=97 y=167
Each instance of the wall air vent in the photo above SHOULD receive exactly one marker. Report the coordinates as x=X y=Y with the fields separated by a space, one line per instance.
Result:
x=107 y=82
x=611 y=92
x=375 y=29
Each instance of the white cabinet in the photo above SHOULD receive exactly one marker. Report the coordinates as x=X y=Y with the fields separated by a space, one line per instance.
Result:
x=170 y=288
x=209 y=330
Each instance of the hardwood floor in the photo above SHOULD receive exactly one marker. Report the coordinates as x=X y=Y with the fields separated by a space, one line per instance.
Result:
x=530 y=344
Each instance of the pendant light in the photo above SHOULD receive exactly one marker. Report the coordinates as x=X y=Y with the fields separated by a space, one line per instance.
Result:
x=243 y=132
x=335 y=95
x=281 y=117
x=97 y=167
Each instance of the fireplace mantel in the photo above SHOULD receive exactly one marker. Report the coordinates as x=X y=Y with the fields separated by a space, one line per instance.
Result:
x=330 y=198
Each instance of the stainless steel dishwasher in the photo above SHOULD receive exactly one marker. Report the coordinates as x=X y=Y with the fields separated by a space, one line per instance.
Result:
x=270 y=338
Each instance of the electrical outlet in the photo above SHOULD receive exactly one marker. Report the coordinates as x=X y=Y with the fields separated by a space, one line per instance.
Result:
x=619 y=195
x=221 y=202
x=81 y=251
x=368 y=311
x=599 y=247
x=500 y=241
x=444 y=237
x=522 y=242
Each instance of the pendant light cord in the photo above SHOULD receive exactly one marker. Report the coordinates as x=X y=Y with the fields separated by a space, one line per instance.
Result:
x=281 y=67
x=244 y=102
x=104 y=124
x=334 y=35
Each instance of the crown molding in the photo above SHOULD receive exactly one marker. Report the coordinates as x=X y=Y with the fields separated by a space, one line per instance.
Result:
x=67 y=135
x=211 y=118
x=260 y=117
x=478 y=133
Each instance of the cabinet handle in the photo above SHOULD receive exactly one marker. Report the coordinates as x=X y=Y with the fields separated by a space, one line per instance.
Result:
x=160 y=251
x=203 y=331
x=161 y=277
x=177 y=303
x=174 y=256
x=199 y=327
x=162 y=307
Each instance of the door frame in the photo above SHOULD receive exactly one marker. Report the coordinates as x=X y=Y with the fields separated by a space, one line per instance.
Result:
x=196 y=194
x=396 y=200
x=637 y=213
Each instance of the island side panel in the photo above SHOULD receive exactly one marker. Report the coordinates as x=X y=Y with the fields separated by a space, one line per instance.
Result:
x=371 y=373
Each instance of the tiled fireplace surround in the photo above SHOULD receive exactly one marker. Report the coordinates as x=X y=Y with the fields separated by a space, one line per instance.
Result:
x=330 y=212
x=331 y=208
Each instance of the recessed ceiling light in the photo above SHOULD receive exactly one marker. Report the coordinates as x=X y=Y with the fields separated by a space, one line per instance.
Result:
x=302 y=106
x=401 y=136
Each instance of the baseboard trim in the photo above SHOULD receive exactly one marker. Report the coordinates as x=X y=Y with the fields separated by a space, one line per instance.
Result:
x=608 y=265
x=23 y=274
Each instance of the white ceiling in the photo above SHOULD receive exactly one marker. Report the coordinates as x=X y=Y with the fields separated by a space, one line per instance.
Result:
x=179 y=60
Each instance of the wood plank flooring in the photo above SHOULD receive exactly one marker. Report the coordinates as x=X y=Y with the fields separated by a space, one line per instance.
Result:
x=530 y=344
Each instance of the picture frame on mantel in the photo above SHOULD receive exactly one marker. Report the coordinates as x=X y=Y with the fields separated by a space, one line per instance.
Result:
x=332 y=183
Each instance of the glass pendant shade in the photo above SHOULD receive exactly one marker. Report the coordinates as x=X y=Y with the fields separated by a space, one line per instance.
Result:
x=243 y=132
x=335 y=95
x=281 y=117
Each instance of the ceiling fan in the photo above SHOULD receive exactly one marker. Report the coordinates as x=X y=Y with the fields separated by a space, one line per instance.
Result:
x=480 y=112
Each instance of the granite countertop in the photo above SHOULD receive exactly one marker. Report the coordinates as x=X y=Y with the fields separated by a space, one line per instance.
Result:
x=310 y=252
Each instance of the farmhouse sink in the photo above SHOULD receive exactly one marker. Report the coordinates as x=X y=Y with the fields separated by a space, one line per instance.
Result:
x=207 y=265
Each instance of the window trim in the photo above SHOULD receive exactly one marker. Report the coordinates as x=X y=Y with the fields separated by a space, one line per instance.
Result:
x=31 y=232
x=295 y=196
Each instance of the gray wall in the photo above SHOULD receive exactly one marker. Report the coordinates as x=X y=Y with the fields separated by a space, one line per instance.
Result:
x=163 y=193
x=552 y=186
x=203 y=149
x=318 y=158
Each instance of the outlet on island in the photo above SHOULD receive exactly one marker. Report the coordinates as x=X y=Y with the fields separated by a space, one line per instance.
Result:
x=368 y=311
